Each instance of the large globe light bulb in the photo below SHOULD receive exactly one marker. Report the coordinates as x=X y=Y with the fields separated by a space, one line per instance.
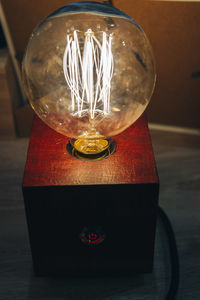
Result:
x=88 y=72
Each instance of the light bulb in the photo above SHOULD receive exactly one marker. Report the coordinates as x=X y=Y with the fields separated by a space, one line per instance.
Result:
x=88 y=72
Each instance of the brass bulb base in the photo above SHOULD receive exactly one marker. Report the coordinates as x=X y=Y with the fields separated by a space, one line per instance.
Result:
x=91 y=146
x=91 y=149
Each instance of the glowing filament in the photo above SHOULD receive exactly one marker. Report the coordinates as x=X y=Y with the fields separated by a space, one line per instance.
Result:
x=89 y=74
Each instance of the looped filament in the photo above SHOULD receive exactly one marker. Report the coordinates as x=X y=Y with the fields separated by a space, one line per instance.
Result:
x=88 y=73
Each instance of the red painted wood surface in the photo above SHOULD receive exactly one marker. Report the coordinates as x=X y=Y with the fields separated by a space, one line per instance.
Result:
x=49 y=163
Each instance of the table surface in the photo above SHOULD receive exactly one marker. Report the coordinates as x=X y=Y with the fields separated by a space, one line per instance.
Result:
x=178 y=162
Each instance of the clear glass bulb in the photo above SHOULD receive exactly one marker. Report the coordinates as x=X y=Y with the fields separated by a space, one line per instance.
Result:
x=88 y=73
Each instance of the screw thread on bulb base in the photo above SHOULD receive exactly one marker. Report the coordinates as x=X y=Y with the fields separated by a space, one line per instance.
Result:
x=91 y=149
x=91 y=146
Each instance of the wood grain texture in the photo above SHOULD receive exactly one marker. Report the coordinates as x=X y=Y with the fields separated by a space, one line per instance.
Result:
x=48 y=162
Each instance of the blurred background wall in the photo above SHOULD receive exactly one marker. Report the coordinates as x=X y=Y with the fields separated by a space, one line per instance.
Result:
x=173 y=28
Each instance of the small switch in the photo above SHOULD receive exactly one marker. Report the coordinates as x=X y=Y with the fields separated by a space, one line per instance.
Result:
x=92 y=236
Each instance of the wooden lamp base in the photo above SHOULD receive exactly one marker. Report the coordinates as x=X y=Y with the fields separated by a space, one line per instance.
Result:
x=91 y=217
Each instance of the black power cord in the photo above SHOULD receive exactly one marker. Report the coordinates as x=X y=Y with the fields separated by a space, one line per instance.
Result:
x=173 y=288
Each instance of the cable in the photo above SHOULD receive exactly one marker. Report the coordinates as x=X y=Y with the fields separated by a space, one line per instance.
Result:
x=173 y=288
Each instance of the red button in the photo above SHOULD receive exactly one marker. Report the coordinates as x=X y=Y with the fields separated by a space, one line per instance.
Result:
x=96 y=240
x=92 y=236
